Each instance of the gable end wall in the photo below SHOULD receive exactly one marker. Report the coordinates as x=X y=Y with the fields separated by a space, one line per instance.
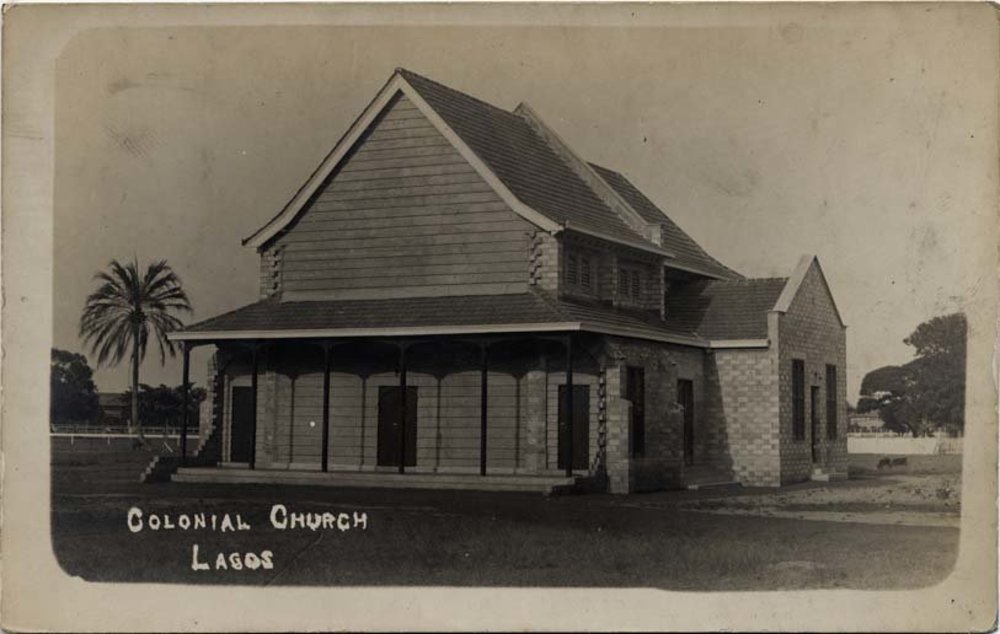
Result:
x=811 y=331
x=404 y=215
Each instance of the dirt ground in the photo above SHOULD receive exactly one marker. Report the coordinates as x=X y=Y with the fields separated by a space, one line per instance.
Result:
x=926 y=492
x=732 y=539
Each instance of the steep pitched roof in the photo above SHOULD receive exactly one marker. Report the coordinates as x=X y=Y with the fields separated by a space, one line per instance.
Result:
x=687 y=251
x=724 y=309
x=524 y=169
x=806 y=263
x=522 y=160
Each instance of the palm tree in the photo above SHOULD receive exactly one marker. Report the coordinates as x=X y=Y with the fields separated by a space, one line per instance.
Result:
x=125 y=310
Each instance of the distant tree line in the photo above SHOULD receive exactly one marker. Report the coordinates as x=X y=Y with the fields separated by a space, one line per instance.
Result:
x=74 y=399
x=163 y=405
x=928 y=393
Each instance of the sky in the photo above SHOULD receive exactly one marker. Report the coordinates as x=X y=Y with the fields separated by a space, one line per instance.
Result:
x=861 y=139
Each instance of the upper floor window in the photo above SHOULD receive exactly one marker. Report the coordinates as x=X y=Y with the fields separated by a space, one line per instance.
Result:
x=630 y=283
x=579 y=273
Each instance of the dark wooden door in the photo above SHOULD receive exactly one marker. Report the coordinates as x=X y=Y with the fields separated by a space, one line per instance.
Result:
x=389 y=422
x=814 y=421
x=581 y=426
x=635 y=391
x=240 y=439
x=685 y=400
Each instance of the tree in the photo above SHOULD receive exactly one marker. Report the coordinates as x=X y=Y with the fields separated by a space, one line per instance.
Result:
x=163 y=406
x=939 y=370
x=73 y=397
x=928 y=393
x=126 y=310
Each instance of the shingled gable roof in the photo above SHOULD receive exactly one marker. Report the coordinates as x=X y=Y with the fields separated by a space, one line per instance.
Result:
x=724 y=309
x=523 y=161
x=687 y=252
x=502 y=146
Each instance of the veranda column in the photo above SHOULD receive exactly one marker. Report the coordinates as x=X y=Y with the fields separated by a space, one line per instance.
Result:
x=185 y=380
x=569 y=407
x=483 y=370
x=326 y=406
x=402 y=408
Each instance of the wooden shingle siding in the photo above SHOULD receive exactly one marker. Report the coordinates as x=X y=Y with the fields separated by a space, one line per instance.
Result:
x=404 y=215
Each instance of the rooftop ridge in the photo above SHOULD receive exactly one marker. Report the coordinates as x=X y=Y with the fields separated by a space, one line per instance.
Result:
x=751 y=280
x=406 y=74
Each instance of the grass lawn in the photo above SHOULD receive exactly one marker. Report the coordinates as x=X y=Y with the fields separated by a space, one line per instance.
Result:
x=470 y=538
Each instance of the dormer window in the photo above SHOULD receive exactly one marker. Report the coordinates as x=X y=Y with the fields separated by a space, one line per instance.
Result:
x=630 y=283
x=586 y=273
x=579 y=275
x=572 y=269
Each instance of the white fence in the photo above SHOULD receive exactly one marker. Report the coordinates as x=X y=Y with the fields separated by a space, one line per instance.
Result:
x=907 y=445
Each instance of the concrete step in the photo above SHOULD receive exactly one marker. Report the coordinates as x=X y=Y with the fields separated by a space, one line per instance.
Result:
x=822 y=475
x=546 y=485
x=707 y=476
x=710 y=484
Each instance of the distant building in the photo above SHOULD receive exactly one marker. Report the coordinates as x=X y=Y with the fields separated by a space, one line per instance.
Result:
x=869 y=422
x=113 y=407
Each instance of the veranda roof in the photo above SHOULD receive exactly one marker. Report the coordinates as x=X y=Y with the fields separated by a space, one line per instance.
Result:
x=472 y=314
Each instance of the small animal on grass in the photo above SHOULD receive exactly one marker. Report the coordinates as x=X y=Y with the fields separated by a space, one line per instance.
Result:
x=899 y=462
x=884 y=462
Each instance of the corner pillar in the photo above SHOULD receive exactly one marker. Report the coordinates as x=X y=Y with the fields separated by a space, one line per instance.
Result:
x=535 y=414
x=618 y=413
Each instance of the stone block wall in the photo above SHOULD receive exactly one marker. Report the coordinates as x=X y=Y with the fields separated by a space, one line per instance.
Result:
x=811 y=330
x=270 y=271
x=211 y=413
x=534 y=410
x=544 y=255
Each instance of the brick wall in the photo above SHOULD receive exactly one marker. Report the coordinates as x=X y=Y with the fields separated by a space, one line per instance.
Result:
x=690 y=363
x=662 y=461
x=811 y=331
x=741 y=399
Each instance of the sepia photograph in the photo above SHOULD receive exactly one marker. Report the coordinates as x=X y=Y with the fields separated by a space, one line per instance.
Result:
x=592 y=300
